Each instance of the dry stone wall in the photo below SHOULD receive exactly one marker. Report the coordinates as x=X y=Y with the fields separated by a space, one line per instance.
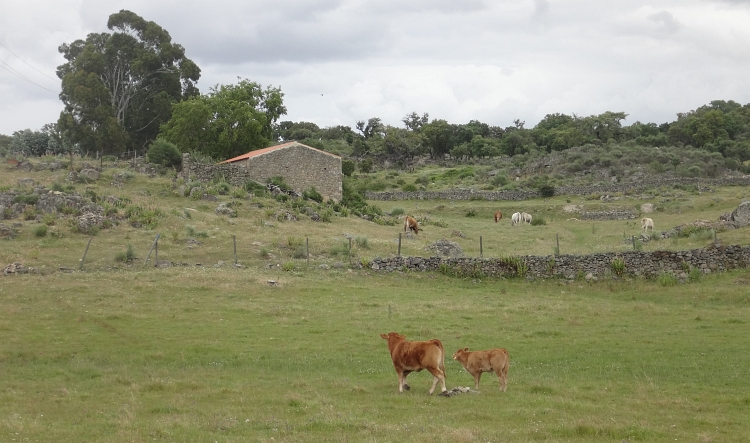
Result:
x=711 y=259
x=611 y=188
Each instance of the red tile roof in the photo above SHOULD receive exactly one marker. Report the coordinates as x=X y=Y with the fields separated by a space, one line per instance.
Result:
x=271 y=149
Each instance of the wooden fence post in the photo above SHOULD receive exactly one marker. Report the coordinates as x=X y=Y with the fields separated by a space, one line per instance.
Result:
x=481 y=251
x=152 y=248
x=234 y=240
x=399 y=244
x=85 y=252
x=558 y=244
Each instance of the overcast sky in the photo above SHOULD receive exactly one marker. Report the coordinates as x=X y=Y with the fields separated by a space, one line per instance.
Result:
x=339 y=61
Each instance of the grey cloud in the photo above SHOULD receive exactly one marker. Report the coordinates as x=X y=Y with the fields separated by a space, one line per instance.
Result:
x=666 y=21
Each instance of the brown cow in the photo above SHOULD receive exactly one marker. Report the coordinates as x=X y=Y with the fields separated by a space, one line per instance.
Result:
x=498 y=216
x=411 y=223
x=477 y=362
x=413 y=356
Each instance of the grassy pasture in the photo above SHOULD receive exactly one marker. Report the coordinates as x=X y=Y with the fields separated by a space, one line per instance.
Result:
x=123 y=353
x=263 y=240
x=204 y=354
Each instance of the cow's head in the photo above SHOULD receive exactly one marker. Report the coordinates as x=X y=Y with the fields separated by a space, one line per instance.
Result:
x=392 y=334
x=459 y=353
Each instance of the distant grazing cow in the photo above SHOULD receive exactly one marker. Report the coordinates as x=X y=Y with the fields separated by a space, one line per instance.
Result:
x=411 y=223
x=526 y=217
x=413 y=356
x=647 y=223
x=515 y=218
x=498 y=216
x=476 y=362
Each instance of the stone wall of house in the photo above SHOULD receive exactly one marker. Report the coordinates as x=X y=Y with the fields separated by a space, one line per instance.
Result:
x=301 y=168
x=679 y=263
x=234 y=173
x=702 y=184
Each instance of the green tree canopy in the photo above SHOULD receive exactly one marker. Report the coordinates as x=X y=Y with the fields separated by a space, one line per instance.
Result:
x=118 y=88
x=229 y=121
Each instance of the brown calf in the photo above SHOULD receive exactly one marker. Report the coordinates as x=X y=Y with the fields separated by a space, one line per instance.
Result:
x=413 y=356
x=477 y=362
x=411 y=223
x=498 y=216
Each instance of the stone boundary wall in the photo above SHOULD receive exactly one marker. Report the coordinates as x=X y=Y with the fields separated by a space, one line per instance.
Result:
x=637 y=263
x=608 y=215
x=641 y=185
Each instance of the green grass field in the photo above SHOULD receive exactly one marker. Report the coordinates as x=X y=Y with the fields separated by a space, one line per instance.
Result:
x=217 y=355
x=127 y=353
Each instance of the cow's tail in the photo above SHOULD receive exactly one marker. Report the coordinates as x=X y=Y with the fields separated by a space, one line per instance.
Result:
x=506 y=365
x=441 y=363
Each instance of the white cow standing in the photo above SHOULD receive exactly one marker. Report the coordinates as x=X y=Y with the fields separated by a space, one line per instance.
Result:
x=526 y=217
x=515 y=218
x=647 y=223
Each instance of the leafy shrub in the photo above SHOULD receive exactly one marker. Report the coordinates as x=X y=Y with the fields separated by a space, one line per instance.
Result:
x=538 y=221
x=239 y=193
x=397 y=211
x=667 y=279
x=40 y=231
x=288 y=266
x=347 y=167
x=365 y=166
x=263 y=253
x=90 y=193
x=278 y=180
x=29 y=213
x=127 y=256
x=547 y=191
x=26 y=199
x=340 y=248
x=695 y=275
x=49 y=219
x=471 y=212
x=312 y=194
x=500 y=180
x=300 y=252
x=422 y=180
x=326 y=216
x=618 y=267
x=222 y=188
x=164 y=153
x=254 y=188
x=294 y=242
x=409 y=187
x=362 y=242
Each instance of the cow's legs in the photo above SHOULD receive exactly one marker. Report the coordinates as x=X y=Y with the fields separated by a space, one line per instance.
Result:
x=477 y=376
x=437 y=376
x=503 y=380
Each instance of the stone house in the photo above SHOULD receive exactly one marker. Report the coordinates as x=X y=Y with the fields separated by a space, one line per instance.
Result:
x=301 y=166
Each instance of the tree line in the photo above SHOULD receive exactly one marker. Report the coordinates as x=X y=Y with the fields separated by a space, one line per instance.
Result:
x=126 y=89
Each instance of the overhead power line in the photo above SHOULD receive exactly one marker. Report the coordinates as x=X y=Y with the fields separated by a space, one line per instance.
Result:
x=10 y=69
x=18 y=74
x=29 y=65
